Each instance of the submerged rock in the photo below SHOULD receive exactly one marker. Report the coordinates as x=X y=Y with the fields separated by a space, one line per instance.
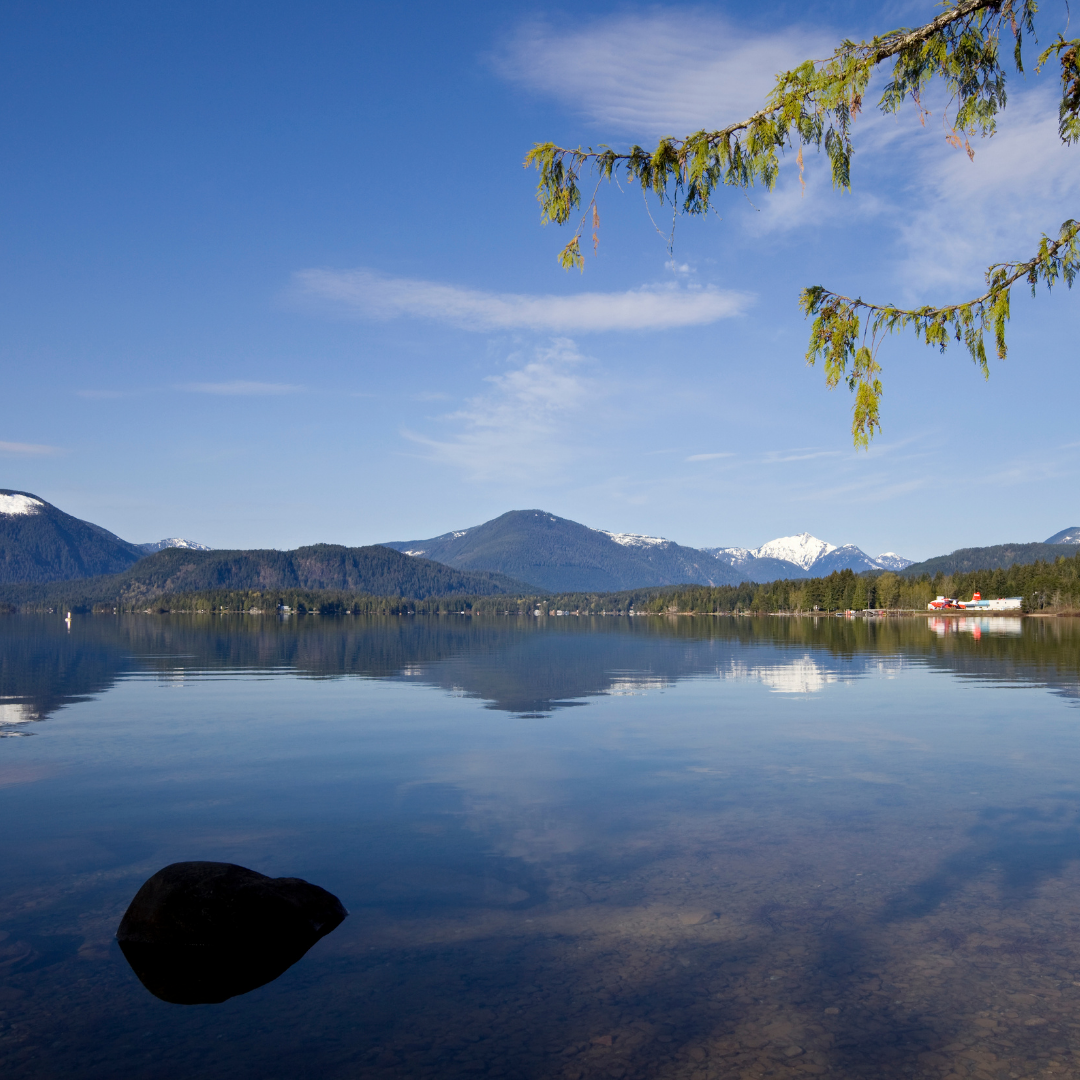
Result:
x=201 y=932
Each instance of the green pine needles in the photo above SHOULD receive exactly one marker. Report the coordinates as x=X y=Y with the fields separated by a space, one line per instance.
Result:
x=848 y=346
x=816 y=105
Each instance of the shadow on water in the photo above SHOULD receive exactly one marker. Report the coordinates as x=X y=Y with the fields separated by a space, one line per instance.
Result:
x=1023 y=848
x=1014 y=851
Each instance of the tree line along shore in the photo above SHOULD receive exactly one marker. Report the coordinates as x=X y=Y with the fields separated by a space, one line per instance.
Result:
x=1045 y=587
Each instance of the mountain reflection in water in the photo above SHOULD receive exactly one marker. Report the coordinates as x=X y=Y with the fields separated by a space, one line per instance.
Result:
x=523 y=666
x=774 y=848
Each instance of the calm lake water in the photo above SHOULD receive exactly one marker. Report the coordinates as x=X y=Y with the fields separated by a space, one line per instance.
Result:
x=571 y=848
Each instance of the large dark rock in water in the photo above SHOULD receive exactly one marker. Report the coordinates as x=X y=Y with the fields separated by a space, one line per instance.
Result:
x=201 y=932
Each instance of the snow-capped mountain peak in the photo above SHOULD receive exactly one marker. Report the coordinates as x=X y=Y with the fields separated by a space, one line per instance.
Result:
x=14 y=505
x=803 y=553
x=172 y=542
x=803 y=550
x=889 y=560
x=634 y=539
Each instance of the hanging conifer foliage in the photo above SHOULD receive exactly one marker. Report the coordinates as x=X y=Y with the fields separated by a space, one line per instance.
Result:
x=815 y=105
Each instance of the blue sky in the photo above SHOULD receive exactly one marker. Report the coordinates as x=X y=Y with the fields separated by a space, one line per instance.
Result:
x=273 y=274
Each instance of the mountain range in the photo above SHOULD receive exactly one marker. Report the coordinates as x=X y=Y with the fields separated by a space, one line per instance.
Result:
x=565 y=556
x=520 y=551
x=804 y=556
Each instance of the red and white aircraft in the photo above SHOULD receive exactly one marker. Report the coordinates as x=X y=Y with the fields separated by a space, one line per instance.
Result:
x=943 y=602
x=976 y=601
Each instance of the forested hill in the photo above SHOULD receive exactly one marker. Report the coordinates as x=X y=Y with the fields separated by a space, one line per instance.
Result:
x=373 y=570
x=966 y=560
x=39 y=542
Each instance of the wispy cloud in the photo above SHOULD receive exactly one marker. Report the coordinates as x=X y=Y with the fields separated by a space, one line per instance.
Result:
x=1028 y=470
x=663 y=73
x=521 y=428
x=658 y=307
x=28 y=449
x=241 y=388
x=969 y=214
x=672 y=72
x=776 y=457
x=707 y=457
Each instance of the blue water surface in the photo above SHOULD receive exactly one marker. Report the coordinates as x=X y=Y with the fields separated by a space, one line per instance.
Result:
x=570 y=847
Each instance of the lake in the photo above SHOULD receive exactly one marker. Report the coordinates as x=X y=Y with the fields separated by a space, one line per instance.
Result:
x=570 y=848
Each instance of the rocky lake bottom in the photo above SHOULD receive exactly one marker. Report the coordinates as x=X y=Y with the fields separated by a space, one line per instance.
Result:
x=569 y=848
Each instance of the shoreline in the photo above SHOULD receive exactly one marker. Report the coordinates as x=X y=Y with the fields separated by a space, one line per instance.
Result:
x=868 y=614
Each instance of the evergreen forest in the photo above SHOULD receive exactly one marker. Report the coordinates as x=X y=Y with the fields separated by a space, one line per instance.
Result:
x=1051 y=587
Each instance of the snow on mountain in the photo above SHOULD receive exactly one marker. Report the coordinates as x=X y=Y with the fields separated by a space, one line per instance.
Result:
x=889 y=560
x=634 y=539
x=845 y=557
x=1071 y=535
x=40 y=543
x=172 y=542
x=734 y=555
x=15 y=505
x=432 y=545
x=803 y=550
x=803 y=555
x=751 y=568
x=555 y=553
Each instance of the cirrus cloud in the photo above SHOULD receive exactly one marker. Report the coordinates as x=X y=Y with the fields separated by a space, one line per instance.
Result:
x=28 y=449
x=523 y=426
x=379 y=296
x=662 y=73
